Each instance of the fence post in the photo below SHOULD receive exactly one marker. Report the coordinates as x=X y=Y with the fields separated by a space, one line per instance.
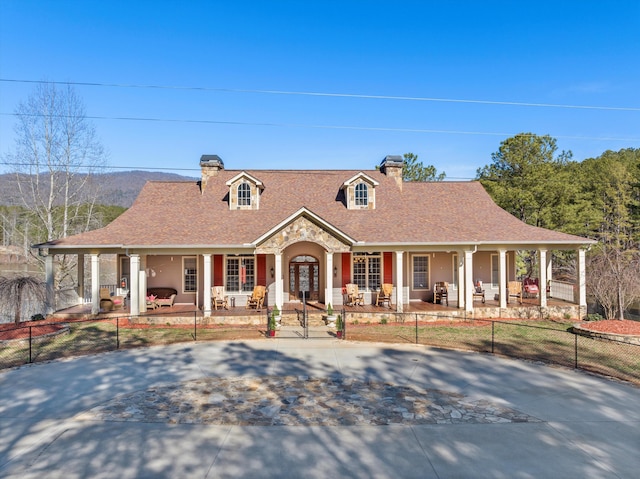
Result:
x=195 y=329
x=117 y=332
x=30 y=341
x=416 y=328
x=493 y=335
x=576 y=349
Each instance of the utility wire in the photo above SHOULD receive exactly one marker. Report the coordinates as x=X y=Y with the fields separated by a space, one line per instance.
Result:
x=330 y=94
x=325 y=127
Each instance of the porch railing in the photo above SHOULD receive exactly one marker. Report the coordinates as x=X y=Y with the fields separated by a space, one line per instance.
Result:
x=562 y=290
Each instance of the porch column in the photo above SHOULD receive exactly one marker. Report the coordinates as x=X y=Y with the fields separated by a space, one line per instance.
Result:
x=142 y=286
x=468 y=281
x=542 y=280
x=461 y=281
x=95 y=284
x=134 y=262
x=279 y=282
x=80 y=279
x=399 y=285
x=502 y=280
x=50 y=301
x=207 y=284
x=328 y=292
x=582 y=281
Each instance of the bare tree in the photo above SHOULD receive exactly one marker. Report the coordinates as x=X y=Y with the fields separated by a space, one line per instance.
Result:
x=56 y=153
x=20 y=294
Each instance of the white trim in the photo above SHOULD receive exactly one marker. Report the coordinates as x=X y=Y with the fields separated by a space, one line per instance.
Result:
x=420 y=255
x=244 y=174
x=360 y=175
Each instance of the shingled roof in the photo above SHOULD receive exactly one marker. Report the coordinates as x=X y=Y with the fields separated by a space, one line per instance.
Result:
x=180 y=214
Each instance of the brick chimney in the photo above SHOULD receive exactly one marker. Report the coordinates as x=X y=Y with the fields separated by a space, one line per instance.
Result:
x=210 y=165
x=392 y=166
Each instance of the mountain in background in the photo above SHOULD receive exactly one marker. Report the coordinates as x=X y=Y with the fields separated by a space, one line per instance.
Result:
x=116 y=189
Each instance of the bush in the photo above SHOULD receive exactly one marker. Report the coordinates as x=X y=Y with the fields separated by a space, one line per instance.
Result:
x=593 y=317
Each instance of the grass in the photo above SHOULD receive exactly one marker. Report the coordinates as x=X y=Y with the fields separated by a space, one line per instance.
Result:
x=539 y=340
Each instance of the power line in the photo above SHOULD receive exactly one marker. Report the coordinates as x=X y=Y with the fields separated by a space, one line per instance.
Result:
x=325 y=127
x=331 y=94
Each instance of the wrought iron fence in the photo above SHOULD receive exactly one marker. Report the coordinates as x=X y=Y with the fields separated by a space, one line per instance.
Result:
x=532 y=340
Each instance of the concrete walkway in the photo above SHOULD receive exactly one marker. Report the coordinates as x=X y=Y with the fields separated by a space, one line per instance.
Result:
x=583 y=426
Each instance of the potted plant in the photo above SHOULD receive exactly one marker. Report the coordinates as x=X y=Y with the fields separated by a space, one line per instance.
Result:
x=277 y=316
x=331 y=318
x=339 y=327
x=272 y=324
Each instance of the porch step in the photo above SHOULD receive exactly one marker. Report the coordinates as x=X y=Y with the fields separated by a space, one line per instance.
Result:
x=315 y=319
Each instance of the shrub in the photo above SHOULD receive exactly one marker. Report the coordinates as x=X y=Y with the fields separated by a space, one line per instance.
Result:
x=593 y=317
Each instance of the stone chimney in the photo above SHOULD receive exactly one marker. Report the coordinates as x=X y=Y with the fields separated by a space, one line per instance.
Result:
x=392 y=166
x=210 y=165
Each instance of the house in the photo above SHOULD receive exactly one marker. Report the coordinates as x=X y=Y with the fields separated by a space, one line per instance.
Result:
x=311 y=232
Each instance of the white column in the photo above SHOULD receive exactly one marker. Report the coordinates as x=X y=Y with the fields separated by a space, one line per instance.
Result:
x=542 y=280
x=207 y=284
x=328 y=292
x=461 y=282
x=142 y=286
x=95 y=284
x=399 y=278
x=50 y=302
x=80 y=279
x=502 y=280
x=582 y=280
x=279 y=282
x=134 y=262
x=468 y=281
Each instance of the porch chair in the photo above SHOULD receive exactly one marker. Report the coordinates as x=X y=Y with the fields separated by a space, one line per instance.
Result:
x=514 y=289
x=256 y=300
x=384 y=295
x=478 y=291
x=441 y=292
x=354 y=297
x=530 y=288
x=108 y=302
x=218 y=298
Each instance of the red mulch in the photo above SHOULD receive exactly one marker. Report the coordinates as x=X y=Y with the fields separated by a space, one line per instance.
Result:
x=7 y=333
x=614 y=326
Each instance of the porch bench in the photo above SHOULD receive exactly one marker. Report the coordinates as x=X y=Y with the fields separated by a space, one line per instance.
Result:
x=164 y=296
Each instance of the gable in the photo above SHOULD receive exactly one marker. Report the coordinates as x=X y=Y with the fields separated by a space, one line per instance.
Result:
x=360 y=193
x=244 y=192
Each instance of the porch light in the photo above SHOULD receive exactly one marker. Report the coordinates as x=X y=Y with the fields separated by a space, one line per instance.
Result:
x=42 y=252
x=272 y=272
x=335 y=271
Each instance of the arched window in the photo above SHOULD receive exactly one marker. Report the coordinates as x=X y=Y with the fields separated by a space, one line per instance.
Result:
x=362 y=194
x=244 y=194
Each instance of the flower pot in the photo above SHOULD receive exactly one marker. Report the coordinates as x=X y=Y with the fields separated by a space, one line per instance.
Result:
x=271 y=333
x=331 y=320
x=339 y=334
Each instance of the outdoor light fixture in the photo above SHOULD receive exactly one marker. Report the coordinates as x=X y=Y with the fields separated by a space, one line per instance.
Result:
x=42 y=252
x=335 y=271
x=272 y=274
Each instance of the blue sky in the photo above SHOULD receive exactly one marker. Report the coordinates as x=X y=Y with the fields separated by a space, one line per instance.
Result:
x=227 y=55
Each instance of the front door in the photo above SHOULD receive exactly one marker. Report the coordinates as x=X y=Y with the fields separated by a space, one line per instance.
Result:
x=304 y=273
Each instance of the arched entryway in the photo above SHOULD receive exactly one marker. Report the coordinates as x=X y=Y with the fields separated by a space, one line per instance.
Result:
x=304 y=278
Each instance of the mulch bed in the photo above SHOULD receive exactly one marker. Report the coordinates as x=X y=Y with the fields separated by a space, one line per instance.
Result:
x=614 y=326
x=10 y=331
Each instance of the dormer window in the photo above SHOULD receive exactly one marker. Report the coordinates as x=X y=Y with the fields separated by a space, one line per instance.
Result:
x=244 y=194
x=362 y=194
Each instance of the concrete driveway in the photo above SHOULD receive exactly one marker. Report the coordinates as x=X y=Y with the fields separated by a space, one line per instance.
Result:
x=578 y=425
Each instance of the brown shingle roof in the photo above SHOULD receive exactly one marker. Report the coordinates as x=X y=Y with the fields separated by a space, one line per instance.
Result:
x=179 y=214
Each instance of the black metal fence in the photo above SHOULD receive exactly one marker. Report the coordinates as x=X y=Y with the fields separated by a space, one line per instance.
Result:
x=546 y=341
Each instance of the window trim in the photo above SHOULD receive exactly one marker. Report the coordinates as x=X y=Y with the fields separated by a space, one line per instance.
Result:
x=185 y=274
x=361 y=194
x=367 y=273
x=427 y=272
x=239 y=258
x=243 y=193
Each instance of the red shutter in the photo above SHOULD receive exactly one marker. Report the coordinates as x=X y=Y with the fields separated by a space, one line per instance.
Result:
x=346 y=268
x=261 y=273
x=218 y=270
x=388 y=267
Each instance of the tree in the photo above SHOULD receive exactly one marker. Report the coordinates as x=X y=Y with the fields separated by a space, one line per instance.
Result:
x=414 y=170
x=529 y=180
x=19 y=293
x=56 y=153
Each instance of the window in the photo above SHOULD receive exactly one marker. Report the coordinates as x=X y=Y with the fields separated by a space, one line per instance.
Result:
x=244 y=194
x=420 y=274
x=190 y=268
x=366 y=270
x=240 y=274
x=362 y=194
